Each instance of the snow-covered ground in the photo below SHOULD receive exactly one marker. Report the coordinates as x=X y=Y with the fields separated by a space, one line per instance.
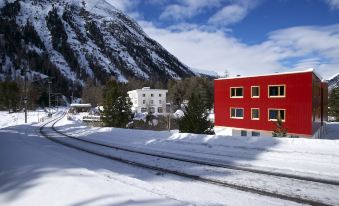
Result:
x=317 y=158
x=17 y=118
x=36 y=171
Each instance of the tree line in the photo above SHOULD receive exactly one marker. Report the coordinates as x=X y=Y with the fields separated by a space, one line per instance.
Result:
x=333 y=103
x=13 y=93
x=198 y=91
x=178 y=90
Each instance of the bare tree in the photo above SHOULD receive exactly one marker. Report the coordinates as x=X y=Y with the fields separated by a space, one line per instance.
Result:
x=92 y=93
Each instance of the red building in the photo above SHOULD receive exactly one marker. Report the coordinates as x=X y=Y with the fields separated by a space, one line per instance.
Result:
x=250 y=106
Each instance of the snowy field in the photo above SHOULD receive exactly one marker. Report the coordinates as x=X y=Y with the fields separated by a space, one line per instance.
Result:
x=17 y=118
x=311 y=157
x=36 y=171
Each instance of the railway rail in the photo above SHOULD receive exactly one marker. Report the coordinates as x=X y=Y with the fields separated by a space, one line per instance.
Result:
x=244 y=188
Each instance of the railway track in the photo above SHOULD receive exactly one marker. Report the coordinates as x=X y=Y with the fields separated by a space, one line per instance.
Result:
x=89 y=149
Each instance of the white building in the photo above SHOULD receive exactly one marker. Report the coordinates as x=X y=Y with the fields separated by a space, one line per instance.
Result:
x=147 y=99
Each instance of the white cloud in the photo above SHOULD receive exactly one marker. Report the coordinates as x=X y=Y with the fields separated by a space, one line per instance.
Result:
x=187 y=9
x=228 y=11
x=320 y=41
x=228 y=15
x=206 y=47
x=334 y=4
x=213 y=50
x=233 y=13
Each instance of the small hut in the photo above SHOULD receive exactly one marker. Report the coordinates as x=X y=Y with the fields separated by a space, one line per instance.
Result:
x=76 y=108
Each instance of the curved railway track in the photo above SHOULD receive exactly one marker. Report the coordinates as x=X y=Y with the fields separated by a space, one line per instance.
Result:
x=183 y=174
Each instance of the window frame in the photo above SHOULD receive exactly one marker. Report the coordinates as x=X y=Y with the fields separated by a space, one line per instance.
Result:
x=276 y=85
x=274 y=120
x=255 y=134
x=243 y=133
x=258 y=92
x=252 y=114
x=236 y=92
x=243 y=112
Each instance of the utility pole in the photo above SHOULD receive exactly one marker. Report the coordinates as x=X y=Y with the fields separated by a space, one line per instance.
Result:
x=72 y=91
x=2 y=44
x=49 y=97
x=57 y=102
x=25 y=92
x=169 y=117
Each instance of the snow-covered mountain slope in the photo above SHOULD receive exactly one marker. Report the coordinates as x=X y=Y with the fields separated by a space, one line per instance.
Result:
x=333 y=82
x=76 y=40
x=206 y=73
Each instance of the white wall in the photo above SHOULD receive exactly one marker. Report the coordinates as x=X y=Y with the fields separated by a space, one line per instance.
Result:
x=148 y=98
x=228 y=131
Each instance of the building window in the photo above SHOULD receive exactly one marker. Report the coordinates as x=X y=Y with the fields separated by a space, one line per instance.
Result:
x=144 y=95
x=237 y=92
x=255 y=134
x=237 y=113
x=275 y=114
x=152 y=109
x=143 y=110
x=151 y=95
x=277 y=91
x=160 y=101
x=160 y=110
x=152 y=102
x=243 y=133
x=255 y=92
x=143 y=101
x=159 y=95
x=255 y=115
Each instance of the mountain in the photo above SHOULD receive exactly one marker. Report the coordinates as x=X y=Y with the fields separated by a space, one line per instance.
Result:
x=73 y=40
x=333 y=82
x=205 y=73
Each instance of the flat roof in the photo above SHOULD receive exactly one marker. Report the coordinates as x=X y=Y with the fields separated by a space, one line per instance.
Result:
x=148 y=90
x=80 y=105
x=281 y=73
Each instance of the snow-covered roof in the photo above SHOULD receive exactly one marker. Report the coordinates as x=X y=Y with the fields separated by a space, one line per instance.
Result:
x=148 y=89
x=81 y=105
x=282 y=73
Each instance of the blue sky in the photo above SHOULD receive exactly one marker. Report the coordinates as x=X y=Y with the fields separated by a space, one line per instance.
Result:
x=245 y=37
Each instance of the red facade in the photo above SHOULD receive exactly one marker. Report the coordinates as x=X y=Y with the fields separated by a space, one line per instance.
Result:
x=303 y=101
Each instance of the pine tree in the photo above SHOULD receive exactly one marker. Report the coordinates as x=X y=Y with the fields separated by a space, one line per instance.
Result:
x=196 y=117
x=117 y=106
x=280 y=130
x=334 y=103
x=9 y=97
